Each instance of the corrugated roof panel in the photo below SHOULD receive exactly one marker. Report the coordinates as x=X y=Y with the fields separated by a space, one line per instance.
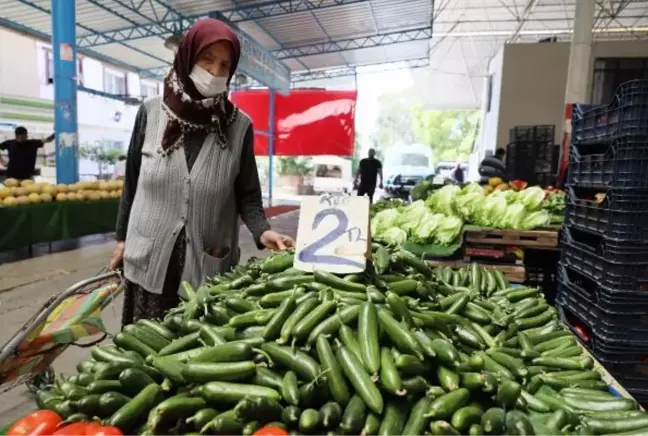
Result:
x=295 y=29
x=201 y=7
x=27 y=16
x=355 y=19
x=393 y=15
x=328 y=60
x=253 y=29
x=364 y=56
x=131 y=57
x=293 y=64
x=96 y=18
x=154 y=46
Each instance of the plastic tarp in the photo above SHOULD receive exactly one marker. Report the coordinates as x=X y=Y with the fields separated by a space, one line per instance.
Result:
x=308 y=122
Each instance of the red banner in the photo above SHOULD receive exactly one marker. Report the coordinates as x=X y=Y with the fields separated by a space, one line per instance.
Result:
x=307 y=121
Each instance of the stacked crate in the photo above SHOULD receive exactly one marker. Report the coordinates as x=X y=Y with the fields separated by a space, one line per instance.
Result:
x=531 y=155
x=603 y=273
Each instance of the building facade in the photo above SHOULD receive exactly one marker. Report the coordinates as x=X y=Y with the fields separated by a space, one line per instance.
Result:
x=27 y=95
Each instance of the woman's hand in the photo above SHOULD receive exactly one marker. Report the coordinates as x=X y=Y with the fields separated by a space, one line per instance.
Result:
x=118 y=256
x=276 y=241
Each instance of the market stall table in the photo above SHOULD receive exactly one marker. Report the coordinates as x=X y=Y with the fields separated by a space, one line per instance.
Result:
x=26 y=225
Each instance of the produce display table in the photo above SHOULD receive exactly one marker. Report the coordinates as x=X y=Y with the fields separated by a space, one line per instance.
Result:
x=48 y=222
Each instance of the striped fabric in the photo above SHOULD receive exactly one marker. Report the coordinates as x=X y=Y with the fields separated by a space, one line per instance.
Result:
x=170 y=197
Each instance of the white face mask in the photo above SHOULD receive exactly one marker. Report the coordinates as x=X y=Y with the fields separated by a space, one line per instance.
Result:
x=206 y=84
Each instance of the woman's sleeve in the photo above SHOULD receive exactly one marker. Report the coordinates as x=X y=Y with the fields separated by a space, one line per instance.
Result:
x=131 y=176
x=247 y=190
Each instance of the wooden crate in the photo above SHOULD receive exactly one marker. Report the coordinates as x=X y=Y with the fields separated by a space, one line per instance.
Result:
x=514 y=273
x=519 y=238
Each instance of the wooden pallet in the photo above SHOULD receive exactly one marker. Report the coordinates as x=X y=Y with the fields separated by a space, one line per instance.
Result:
x=514 y=273
x=521 y=238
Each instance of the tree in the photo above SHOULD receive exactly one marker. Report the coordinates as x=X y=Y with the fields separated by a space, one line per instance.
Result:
x=101 y=155
x=294 y=166
x=402 y=119
x=449 y=133
x=394 y=125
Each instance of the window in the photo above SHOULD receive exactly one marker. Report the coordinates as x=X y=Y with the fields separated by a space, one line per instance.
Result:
x=115 y=82
x=609 y=73
x=49 y=67
x=414 y=160
x=148 y=89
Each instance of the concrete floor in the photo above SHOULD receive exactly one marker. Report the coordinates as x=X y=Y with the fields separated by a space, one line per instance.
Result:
x=27 y=284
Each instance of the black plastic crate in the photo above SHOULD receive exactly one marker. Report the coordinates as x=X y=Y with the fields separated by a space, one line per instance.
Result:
x=621 y=164
x=626 y=115
x=527 y=160
x=608 y=343
x=541 y=133
x=610 y=249
x=620 y=214
x=631 y=276
x=611 y=301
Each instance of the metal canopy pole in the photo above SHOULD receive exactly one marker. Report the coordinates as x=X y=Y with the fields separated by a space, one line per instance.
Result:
x=580 y=53
x=271 y=131
x=65 y=90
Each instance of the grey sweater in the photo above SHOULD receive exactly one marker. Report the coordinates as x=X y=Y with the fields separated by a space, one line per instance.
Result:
x=202 y=192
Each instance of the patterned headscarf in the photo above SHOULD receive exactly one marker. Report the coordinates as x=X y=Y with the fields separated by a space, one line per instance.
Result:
x=187 y=109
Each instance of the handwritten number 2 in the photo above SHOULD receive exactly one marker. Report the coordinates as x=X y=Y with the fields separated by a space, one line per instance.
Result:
x=309 y=253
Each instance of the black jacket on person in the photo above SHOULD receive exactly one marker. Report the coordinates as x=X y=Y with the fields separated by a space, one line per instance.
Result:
x=492 y=166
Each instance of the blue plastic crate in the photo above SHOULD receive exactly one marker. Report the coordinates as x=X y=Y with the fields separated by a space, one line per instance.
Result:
x=622 y=164
x=627 y=115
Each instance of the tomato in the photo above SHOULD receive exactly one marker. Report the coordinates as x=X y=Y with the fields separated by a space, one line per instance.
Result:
x=95 y=429
x=270 y=430
x=41 y=422
x=88 y=429
x=77 y=428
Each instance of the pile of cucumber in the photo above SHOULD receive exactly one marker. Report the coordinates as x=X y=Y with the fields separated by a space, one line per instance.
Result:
x=399 y=349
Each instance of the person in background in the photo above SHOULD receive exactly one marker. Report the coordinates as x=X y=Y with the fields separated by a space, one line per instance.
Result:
x=190 y=175
x=369 y=169
x=120 y=168
x=458 y=174
x=493 y=166
x=22 y=154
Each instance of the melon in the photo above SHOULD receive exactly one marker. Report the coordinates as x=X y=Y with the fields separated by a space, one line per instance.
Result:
x=22 y=200
x=62 y=188
x=26 y=183
x=34 y=188
x=46 y=197
x=72 y=196
x=5 y=193
x=81 y=196
x=20 y=192
x=49 y=189
x=94 y=195
x=72 y=188
x=104 y=195
x=34 y=198
x=61 y=196
x=10 y=201
x=11 y=183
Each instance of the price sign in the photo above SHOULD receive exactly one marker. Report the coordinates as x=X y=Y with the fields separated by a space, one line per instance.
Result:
x=333 y=234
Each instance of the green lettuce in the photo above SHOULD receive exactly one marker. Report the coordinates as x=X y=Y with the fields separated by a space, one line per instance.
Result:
x=448 y=230
x=531 y=198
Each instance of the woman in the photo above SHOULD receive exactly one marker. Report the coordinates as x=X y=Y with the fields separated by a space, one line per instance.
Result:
x=190 y=174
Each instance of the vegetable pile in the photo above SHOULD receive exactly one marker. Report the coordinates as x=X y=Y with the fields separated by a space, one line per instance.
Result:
x=399 y=349
x=439 y=219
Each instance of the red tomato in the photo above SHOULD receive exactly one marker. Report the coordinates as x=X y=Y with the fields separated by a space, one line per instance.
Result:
x=41 y=422
x=75 y=429
x=95 y=429
x=270 y=430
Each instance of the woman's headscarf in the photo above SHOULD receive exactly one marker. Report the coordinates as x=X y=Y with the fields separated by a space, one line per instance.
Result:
x=187 y=109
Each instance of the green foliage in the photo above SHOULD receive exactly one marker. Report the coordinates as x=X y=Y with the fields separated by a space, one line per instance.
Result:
x=294 y=166
x=99 y=154
x=449 y=133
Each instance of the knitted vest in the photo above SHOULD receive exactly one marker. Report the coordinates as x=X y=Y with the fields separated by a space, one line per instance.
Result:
x=170 y=197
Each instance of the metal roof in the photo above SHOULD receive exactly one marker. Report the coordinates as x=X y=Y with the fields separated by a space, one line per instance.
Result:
x=329 y=38
x=307 y=35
